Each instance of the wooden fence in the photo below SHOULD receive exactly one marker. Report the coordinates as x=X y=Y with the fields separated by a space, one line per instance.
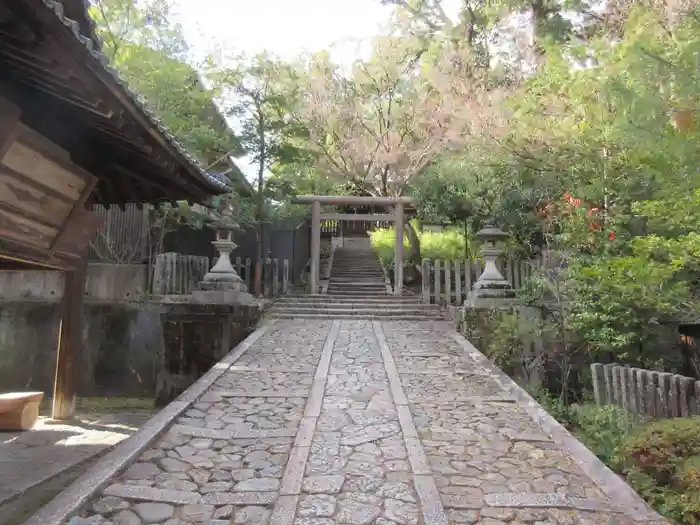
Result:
x=645 y=393
x=178 y=274
x=449 y=282
x=123 y=237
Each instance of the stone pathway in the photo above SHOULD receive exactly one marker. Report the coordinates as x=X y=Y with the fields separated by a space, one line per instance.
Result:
x=30 y=460
x=355 y=423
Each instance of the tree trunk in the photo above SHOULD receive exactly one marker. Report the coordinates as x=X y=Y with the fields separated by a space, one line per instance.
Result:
x=262 y=157
x=414 y=255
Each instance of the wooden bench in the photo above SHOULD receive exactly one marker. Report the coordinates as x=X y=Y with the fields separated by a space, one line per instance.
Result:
x=19 y=410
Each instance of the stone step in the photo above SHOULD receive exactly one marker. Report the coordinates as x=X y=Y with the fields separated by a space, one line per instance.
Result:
x=356 y=284
x=354 y=307
x=359 y=277
x=350 y=289
x=358 y=293
x=326 y=298
x=362 y=278
x=341 y=312
x=356 y=270
x=358 y=316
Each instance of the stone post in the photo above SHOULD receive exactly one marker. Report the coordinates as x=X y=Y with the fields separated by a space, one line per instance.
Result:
x=398 y=252
x=314 y=277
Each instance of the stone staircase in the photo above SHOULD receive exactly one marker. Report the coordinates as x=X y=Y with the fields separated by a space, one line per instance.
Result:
x=356 y=291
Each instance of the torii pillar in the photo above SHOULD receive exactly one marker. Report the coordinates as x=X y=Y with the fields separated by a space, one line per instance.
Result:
x=397 y=217
x=398 y=249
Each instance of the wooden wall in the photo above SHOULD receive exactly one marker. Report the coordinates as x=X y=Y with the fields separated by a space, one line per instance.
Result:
x=42 y=197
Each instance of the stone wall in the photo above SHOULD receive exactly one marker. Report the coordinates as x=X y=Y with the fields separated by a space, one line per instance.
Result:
x=124 y=347
x=508 y=336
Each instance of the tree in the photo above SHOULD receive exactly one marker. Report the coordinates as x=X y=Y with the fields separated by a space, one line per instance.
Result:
x=150 y=53
x=382 y=125
x=260 y=91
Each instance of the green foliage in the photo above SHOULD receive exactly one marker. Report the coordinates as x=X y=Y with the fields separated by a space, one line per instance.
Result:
x=150 y=53
x=603 y=430
x=617 y=298
x=659 y=449
x=383 y=243
x=446 y=245
x=505 y=345
x=555 y=406
x=661 y=463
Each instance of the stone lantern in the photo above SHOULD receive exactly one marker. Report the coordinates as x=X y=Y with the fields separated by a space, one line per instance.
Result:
x=491 y=284
x=222 y=283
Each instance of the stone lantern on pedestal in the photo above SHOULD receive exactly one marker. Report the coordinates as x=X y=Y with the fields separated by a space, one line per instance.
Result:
x=222 y=283
x=491 y=285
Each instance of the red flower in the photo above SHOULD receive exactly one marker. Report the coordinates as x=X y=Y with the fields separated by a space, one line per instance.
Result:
x=611 y=236
x=570 y=199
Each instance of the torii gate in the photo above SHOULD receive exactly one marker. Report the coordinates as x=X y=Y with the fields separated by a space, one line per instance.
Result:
x=397 y=217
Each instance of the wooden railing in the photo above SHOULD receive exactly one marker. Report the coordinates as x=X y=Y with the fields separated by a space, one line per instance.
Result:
x=645 y=393
x=448 y=282
x=178 y=274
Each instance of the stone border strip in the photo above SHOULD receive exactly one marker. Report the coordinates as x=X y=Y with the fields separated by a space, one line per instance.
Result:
x=285 y=509
x=272 y=370
x=260 y=393
x=72 y=499
x=201 y=432
x=432 y=400
x=179 y=497
x=423 y=480
x=625 y=500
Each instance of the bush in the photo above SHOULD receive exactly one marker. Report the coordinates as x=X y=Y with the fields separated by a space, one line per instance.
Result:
x=383 y=242
x=662 y=463
x=555 y=406
x=603 y=430
x=447 y=245
x=661 y=448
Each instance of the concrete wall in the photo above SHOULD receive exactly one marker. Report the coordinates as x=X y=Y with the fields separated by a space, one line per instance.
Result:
x=121 y=341
x=106 y=282
x=126 y=352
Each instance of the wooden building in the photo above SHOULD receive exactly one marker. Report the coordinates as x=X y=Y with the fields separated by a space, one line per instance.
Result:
x=72 y=135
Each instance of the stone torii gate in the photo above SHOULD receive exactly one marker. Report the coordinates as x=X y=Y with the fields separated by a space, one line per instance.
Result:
x=397 y=217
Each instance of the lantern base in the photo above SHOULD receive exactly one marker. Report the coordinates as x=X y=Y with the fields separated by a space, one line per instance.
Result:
x=223 y=296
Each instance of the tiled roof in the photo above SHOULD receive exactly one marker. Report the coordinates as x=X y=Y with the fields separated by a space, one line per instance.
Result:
x=141 y=105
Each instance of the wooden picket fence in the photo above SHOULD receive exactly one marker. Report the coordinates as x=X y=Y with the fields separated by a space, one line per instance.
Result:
x=645 y=393
x=449 y=282
x=178 y=274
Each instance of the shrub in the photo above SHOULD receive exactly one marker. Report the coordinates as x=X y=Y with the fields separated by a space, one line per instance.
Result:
x=603 y=430
x=660 y=448
x=554 y=405
x=662 y=463
x=383 y=242
x=447 y=245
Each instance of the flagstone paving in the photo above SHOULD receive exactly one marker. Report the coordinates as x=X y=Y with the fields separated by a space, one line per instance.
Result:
x=355 y=423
